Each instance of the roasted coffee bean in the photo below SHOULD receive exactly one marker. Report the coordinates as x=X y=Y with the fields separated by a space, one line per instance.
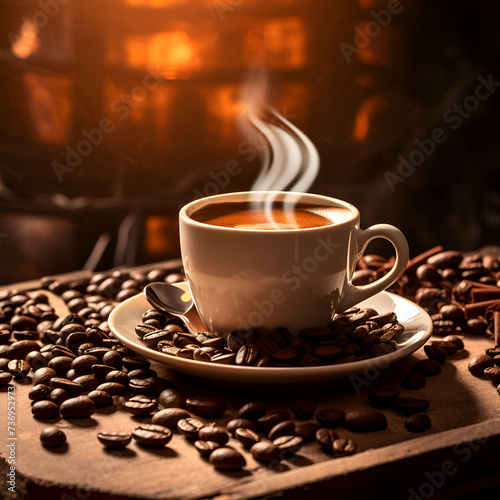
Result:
x=135 y=363
x=102 y=370
x=224 y=359
x=414 y=381
x=205 y=448
x=446 y=259
x=492 y=373
x=189 y=427
x=83 y=364
x=247 y=355
x=112 y=358
x=267 y=345
x=19 y=368
x=44 y=375
x=282 y=337
x=343 y=447
x=287 y=427
x=79 y=407
x=325 y=439
x=100 y=398
x=25 y=335
x=309 y=360
x=58 y=396
x=227 y=459
x=61 y=364
x=476 y=326
x=331 y=417
x=247 y=437
x=88 y=381
x=5 y=379
x=285 y=357
x=36 y=360
x=75 y=340
x=427 y=367
x=172 y=398
x=4 y=363
x=139 y=387
x=289 y=444
x=118 y=376
x=252 y=410
x=45 y=410
x=152 y=435
x=214 y=433
x=265 y=452
x=493 y=351
x=114 y=440
x=170 y=416
x=268 y=421
x=328 y=354
x=381 y=349
x=306 y=430
x=72 y=388
x=140 y=405
x=407 y=405
x=418 y=422
x=449 y=347
x=21 y=348
x=478 y=364
x=435 y=353
x=496 y=360
x=143 y=373
x=243 y=423
x=52 y=437
x=454 y=339
x=304 y=409
x=365 y=420
x=39 y=392
x=21 y=322
x=112 y=388
x=201 y=355
x=96 y=351
x=206 y=407
x=315 y=334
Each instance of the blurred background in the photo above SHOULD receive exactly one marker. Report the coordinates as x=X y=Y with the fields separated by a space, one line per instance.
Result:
x=115 y=113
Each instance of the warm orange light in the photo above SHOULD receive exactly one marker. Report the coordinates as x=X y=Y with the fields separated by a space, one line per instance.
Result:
x=364 y=117
x=279 y=43
x=49 y=107
x=224 y=104
x=26 y=43
x=170 y=53
x=155 y=4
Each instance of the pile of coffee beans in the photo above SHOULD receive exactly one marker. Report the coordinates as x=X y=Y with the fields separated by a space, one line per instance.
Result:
x=355 y=335
x=461 y=293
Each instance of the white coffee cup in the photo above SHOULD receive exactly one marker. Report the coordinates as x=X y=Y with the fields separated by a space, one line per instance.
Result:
x=293 y=278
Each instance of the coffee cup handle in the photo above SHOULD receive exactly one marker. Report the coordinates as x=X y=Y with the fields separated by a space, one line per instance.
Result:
x=353 y=295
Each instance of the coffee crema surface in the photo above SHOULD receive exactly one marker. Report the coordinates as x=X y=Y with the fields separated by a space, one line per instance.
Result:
x=280 y=216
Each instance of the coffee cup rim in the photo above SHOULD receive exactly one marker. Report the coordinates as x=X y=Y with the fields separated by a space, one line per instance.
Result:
x=200 y=202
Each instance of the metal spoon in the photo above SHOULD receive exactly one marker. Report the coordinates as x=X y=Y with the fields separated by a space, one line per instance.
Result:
x=169 y=299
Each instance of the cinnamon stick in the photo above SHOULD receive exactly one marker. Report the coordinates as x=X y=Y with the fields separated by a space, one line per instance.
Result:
x=478 y=308
x=496 y=327
x=482 y=294
x=422 y=258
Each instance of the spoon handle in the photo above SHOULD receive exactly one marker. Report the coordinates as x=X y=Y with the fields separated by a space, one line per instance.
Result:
x=193 y=321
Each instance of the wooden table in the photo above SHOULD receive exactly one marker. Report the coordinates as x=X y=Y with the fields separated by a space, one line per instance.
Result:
x=459 y=454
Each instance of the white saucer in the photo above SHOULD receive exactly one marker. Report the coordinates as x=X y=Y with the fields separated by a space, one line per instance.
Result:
x=417 y=323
